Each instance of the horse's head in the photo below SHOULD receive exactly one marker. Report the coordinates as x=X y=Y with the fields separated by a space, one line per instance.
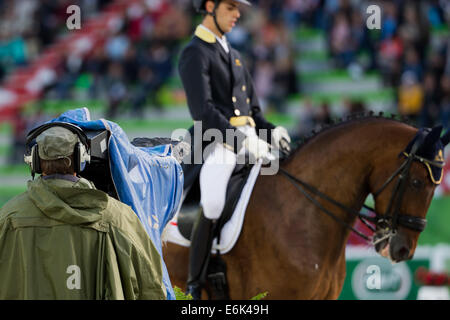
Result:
x=403 y=191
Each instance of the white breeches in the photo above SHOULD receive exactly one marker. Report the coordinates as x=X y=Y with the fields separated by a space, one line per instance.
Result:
x=214 y=177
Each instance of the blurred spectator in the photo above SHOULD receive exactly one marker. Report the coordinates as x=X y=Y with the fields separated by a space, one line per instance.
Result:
x=115 y=87
x=389 y=23
x=306 y=121
x=69 y=69
x=361 y=38
x=445 y=103
x=447 y=58
x=341 y=42
x=19 y=126
x=160 y=60
x=50 y=16
x=353 y=106
x=412 y=63
x=131 y=63
x=324 y=115
x=239 y=37
x=435 y=14
x=390 y=53
x=97 y=66
x=117 y=46
x=431 y=103
x=22 y=123
x=410 y=95
x=273 y=66
x=414 y=29
x=306 y=11
x=436 y=64
x=284 y=83
x=312 y=118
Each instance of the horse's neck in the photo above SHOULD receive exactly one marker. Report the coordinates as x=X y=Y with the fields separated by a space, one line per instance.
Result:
x=337 y=163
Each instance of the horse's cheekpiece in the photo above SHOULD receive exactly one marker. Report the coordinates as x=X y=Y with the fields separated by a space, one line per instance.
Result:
x=427 y=148
x=431 y=155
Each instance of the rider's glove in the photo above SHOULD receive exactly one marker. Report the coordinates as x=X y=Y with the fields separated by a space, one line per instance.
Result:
x=281 y=139
x=255 y=147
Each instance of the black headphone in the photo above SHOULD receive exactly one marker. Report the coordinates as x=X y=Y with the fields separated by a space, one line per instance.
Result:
x=80 y=152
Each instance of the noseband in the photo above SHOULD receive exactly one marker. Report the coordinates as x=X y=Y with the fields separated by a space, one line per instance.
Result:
x=391 y=219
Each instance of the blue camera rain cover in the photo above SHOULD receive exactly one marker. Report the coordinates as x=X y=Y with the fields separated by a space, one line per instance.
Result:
x=148 y=179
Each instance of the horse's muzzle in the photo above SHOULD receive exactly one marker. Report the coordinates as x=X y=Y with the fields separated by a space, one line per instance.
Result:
x=400 y=248
x=392 y=245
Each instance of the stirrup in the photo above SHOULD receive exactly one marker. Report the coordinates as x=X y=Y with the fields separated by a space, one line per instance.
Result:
x=219 y=285
x=217 y=278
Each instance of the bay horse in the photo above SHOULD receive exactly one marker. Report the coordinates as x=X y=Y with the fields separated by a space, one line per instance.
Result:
x=289 y=247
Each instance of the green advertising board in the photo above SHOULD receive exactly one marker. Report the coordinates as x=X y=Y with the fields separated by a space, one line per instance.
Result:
x=372 y=277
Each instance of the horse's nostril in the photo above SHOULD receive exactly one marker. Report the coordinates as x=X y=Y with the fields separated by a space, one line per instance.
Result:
x=403 y=253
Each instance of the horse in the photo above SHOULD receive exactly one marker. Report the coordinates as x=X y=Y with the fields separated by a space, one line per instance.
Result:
x=289 y=247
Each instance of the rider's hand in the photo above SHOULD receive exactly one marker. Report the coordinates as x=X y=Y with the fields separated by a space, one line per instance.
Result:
x=255 y=147
x=281 y=139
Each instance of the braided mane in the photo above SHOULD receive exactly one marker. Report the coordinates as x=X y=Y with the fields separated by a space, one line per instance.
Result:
x=349 y=119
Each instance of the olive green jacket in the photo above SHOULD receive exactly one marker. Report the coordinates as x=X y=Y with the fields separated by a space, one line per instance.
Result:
x=67 y=240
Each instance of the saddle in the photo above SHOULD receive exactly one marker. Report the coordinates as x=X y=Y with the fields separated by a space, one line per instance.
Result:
x=191 y=210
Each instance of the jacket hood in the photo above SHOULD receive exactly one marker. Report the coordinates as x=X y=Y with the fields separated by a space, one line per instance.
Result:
x=68 y=202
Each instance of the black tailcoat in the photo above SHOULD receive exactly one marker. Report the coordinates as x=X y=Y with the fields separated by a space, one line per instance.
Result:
x=218 y=86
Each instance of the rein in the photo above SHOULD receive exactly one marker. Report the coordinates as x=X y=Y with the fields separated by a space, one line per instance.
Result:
x=303 y=187
x=391 y=219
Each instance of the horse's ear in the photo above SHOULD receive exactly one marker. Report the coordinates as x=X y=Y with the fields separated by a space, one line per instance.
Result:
x=446 y=138
x=433 y=135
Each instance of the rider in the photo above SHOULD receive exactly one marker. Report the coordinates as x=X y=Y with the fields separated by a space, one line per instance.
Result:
x=220 y=96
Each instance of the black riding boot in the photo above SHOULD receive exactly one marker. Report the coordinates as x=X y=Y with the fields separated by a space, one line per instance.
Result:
x=201 y=242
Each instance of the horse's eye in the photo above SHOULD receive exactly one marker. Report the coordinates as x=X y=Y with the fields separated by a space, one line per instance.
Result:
x=418 y=184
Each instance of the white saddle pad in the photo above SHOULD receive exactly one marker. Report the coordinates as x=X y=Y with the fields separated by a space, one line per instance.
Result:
x=231 y=229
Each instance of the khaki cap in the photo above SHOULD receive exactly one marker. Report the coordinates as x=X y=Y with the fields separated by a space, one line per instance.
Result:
x=56 y=143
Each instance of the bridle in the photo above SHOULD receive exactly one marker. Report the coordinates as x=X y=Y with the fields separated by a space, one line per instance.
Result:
x=391 y=219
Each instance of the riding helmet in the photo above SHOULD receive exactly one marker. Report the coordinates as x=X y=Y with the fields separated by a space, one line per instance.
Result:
x=199 y=4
